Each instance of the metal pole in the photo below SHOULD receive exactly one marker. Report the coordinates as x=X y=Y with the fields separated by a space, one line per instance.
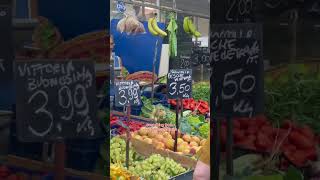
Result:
x=294 y=19
x=229 y=146
x=167 y=9
x=143 y=10
x=154 y=69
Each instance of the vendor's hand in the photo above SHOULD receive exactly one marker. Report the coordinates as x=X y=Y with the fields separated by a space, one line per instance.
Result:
x=201 y=172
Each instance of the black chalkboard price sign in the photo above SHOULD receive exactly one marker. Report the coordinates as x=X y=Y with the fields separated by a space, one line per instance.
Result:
x=237 y=76
x=127 y=93
x=180 y=83
x=200 y=55
x=56 y=99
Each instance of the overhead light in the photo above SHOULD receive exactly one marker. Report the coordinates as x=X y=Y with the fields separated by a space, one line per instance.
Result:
x=149 y=8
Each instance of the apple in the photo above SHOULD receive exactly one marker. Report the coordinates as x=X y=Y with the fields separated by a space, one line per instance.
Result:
x=143 y=131
x=160 y=145
x=152 y=134
x=180 y=141
x=203 y=142
x=169 y=143
x=192 y=143
x=180 y=153
x=195 y=139
x=186 y=138
x=138 y=137
x=148 y=140
x=159 y=137
x=167 y=135
x=186 y=151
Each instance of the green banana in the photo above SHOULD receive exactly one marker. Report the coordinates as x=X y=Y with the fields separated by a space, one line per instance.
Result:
x=191 y=26
x=156 y=27
x=151 y=30
x=185 y=25
x=192 y=29
x=197 y=34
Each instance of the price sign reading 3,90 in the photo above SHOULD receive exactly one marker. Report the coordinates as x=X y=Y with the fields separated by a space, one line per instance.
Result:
x=180 y=83
x=127 y=93
x=56 y=100
x=237 y=76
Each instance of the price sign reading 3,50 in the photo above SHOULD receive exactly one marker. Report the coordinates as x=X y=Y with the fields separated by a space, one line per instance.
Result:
x=127 y=93
x=180 y=83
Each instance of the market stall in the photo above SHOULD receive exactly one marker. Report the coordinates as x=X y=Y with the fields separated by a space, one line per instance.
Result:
x=263 y=110
x=150 y=123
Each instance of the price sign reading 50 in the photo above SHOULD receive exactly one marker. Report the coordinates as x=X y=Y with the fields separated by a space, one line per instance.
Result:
x=238 y=90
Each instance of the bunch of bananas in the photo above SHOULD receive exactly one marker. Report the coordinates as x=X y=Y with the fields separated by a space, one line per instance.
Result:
x=154 y=28
x=190 y=28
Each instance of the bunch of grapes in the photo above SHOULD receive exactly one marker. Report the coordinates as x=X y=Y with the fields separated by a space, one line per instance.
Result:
x=157 y=167
x=118 y=152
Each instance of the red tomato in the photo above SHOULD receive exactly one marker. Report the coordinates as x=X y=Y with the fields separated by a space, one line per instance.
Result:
x=287 y=124
x=311 y=154
x=300 y=140
x=252 y=130
x=268 y=130
x=238 y=135
x=307 y=131
x=236 y=124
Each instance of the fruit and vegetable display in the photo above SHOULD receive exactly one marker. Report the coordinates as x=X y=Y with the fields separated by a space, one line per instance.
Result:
x=133 y=125
x=294 y=96
x=118 y=155
x=153 y=167
x=157 y=167
x=159 y=113
x=200 y=106
x=199 y=125
x=163 y=138
x=118 y=172
x=201 y=91
x=296 y=144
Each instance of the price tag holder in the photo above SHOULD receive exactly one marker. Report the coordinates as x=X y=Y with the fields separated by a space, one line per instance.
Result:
x=56 y=99
x=127 y=93
x=237 y=74
x=180 y=83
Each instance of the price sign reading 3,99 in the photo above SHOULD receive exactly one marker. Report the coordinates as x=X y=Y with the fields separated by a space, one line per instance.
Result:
x=56 y=100
x=180 y=83
x=127 y=93
x=237 y=74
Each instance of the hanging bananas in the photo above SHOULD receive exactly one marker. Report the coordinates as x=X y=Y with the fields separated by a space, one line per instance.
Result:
x=154 y=28
x=190 y=28
x=151 y=30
